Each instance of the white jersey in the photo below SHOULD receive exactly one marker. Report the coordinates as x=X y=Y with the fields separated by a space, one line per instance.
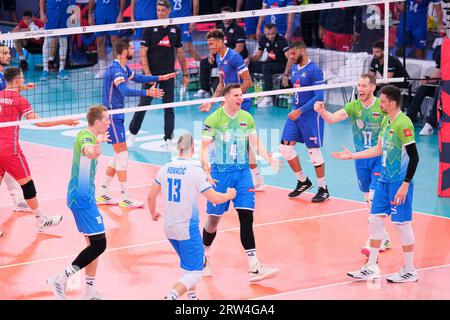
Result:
x=181 y=181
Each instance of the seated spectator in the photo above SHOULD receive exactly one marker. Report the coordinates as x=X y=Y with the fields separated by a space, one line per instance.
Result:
x=339 y=29
x=277 y=54
x=428 y=88
x=32 y=45
x=234 y=39
x=284 y=22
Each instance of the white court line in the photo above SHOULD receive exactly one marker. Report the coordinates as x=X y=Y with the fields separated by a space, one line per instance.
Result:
x=337 y=284
x=164 y=241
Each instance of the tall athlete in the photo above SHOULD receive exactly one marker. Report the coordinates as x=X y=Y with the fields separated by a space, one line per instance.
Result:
x=142 y=10
x=180 y=182
x=304 y=125
x=366 y=117
x=81 y=201
x=232 y=132
x=115 y=90
x=13 y=107
x=394 y=191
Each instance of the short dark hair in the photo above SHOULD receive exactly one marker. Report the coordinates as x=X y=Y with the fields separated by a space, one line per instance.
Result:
x=270 y=25
x=226 y=9
x=230 y=87
x=12 y=73
x=27 y=13
x=392 y=93
x=95 y=113
x=215 y=34
x=297 y=44
x=372 y=79
x=121 y=44
x=378 y=44
x=164 y=3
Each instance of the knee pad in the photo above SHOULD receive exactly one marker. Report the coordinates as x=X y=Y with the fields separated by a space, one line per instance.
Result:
x=122 y=161
x=29 y=190
x=98 y=243
x=288 y=152
x=376 y=227
x=190 y=279
x=112 y=162
x=406 y=233
x=316 y=156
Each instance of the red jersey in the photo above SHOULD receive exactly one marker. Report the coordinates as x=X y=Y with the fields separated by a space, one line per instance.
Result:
x=34 y=26
x=12 y=107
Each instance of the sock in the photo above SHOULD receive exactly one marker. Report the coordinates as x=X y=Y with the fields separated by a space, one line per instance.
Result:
x=208 y=238
x=90 y=284
x=192 y=295
x=300 y=176
x=62 y=52
x=252 y=258
x=373 y=257
x=409 y=261
x=37 y=213
x=207 y=249
x=123 y=188
x=46 y=52
x=67 y=273
x=172 y=295
x=321 y=182
x=102 y=64
x=106 y=182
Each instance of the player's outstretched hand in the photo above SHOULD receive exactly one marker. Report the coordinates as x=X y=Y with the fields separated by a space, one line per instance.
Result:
x=167 y=76
x=103 y=137
x=319 y=107
x=28 y=86
x=231 y=192
x=156 y=216
x=205 y=107
x=343 y=155
x=72 y=122
x=154 y=92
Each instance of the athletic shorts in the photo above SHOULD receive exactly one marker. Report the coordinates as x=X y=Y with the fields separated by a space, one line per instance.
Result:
x=186 y=35
x=89 y=220
x=337 y=41
x=307 y=129
x=250 y=25
x=106 y=18
x=368 y=172
x=15 y=164
x=416 y=33
x=190 y=251
x=56 y=20
x=242 y=181
x=383 y=202
x=117 y=131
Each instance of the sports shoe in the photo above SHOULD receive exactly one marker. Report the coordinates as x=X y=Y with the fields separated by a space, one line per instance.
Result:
x=58 y=287
x=403 y=276
x=321 y=195
x=168 y=145
x=44 y=76
x=62 y=75
x=100 y=74
x=266 y=103
x=106 y=198
x=206 y=272
x=261 y=273
x=385 y=245
x=258 y=182
x=127 y=202
x=43 y=222
x=20 y=204
x=23 y=65
x=427 y=130
x=301 y=187
x=202 y=94
x=131 y=139
x=93 y=296
x=366 y=272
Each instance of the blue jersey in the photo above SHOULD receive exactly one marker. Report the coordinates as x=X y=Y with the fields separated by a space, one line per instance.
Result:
x=308 y=75
x=419 y=8
x=280 y=20
x=145 y=10
x=107 y=8
x=2 y=81
x=58 y=5
x=180 y=8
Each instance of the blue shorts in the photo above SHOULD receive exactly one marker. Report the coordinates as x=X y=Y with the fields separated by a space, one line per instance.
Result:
x=190 y=251
x=250 y=25
x=56 y=20
x=106 y=18
x=242 y=181
x=117 y=131
x=416 y=33
x=246 y=104
x=307 y=129
x=186 y=35
x=383 y=202
x=368 y=171
x=89 y=220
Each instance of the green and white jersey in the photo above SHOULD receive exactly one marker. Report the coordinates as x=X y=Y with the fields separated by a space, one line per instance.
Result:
x=230 y=136
x=366 y=123
x=394 y=137
x=81 y=193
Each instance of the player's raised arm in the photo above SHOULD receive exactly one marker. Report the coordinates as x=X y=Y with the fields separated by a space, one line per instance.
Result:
x=69 y=122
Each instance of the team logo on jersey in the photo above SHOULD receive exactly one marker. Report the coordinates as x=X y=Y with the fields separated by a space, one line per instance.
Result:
x=376 y=114
x=231 y=30
x=225 y=40
x=155 y=29
x=173 y=30
x=303 y=75
x=243 y=124
x=297 y=84
x=225 y=62
x=164 y=42
x=272 y=55
x=407 y=132
x=207 y=128
x=359 y=123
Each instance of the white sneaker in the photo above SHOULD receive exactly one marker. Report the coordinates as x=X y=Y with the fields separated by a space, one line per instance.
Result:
x=43 y=222
x=20 y=204
x=126 y=201
x=266 y=103
x=385 y=245
x=93 y=295
x=366 y=272
x=58 y=287
x=403 y=276
x=168 y=145
x=427 y=130
x=261 y=273
x=206 y=272
x=100 y=74
x=259 y=183
x=131 y=139
x=202 y=94
x=105 y=198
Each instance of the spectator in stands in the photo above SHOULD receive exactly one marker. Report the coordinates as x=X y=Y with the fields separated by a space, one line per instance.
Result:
x=309 y=25
x=10 y=6
x=32 y=45
x=284 y=22
x=428 y=88
x=416 y=25
x=277 y=48
x=234 y=39
x=251 y=22
x=339 y=28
